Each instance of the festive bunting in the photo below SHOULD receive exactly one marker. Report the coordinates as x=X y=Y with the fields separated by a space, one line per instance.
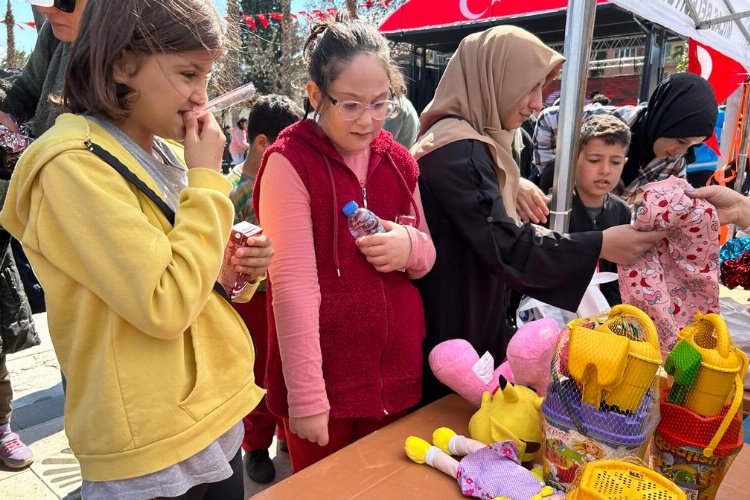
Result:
x=263 y=19
x=250 y=20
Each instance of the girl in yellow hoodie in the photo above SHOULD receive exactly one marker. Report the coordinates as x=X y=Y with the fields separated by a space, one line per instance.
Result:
x=127 y=236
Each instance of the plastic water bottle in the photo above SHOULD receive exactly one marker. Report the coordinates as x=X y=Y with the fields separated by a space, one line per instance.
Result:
x=361 y=221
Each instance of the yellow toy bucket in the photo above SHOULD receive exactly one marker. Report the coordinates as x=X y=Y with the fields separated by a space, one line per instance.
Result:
x=721 y=363
x=618 y=479
x=616 y=361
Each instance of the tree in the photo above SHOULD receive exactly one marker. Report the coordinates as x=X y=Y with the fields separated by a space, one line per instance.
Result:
x=10 y=25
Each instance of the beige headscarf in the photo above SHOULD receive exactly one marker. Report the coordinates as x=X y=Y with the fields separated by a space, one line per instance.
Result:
x=487 y=77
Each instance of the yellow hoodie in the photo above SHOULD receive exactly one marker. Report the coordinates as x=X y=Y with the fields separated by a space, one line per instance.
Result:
x=158 y=364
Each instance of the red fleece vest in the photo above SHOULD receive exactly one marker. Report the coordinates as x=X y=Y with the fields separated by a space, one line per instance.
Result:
x=371 y=323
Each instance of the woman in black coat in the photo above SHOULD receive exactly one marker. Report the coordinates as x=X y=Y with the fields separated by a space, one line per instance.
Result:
x=468 y=184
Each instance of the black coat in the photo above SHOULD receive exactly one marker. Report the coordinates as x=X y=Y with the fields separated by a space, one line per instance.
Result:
x=482 y=253
x=17 y=330
x=614 y=213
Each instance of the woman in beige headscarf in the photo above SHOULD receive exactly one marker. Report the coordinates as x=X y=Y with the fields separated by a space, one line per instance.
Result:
x=469 y=183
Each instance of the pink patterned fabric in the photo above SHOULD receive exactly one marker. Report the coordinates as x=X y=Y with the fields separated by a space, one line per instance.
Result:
x=680 y=275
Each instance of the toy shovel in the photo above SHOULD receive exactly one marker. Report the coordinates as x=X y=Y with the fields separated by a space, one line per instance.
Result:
x=683 y=364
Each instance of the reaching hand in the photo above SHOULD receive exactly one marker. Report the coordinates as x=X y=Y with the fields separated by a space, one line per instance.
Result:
x=733 y=207
x=254 y=258
x=313 y=428
x=624 y=244
x=387 y=251
x=531 y=203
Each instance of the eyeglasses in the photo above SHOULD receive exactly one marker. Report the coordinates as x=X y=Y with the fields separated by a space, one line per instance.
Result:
x=63 y=5
x=352 y=110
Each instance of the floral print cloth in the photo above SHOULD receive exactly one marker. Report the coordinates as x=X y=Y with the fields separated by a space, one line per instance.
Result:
x=495 y=471
x=679 y=276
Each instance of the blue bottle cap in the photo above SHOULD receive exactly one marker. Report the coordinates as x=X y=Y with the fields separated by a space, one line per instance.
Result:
x=350 y=208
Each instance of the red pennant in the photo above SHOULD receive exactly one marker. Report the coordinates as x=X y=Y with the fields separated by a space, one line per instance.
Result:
x=306 y=14
x=30 y=24
x=332 y=12
x=263 y=20
x=321 y=15
x=250 y=20
x=722 y=72
x=276 y=16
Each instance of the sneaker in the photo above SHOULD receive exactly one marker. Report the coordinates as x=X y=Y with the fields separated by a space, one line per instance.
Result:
x=13 y=453
x=259 y=466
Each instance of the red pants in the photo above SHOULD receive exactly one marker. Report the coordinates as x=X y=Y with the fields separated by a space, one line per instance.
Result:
x=341 y=432
x=259 y=424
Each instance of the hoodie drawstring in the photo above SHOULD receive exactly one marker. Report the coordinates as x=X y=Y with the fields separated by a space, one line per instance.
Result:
x=406 y=188
x=335 y=217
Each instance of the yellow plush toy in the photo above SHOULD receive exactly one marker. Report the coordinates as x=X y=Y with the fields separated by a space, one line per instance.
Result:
x=513 y=413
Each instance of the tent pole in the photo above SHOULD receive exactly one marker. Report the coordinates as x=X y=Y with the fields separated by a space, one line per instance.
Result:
x=737 y=21
x=579 y=32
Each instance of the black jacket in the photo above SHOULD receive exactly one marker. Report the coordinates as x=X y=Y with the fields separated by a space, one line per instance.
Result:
x=614 y=213
x=482 y=253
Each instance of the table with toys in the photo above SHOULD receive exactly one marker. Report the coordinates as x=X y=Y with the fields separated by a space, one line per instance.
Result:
x=605 y=414
x=376 y=467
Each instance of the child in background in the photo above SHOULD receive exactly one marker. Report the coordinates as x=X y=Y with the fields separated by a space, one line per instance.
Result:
x=346 y=327
x=238 y=144
x=128 y=240
x=603 y=148
x=268 y=116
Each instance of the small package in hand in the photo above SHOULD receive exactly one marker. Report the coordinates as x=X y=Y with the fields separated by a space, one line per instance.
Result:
x=232 y=281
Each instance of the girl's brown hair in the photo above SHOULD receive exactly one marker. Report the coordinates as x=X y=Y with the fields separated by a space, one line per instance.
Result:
x=334 y=42
x=141 y=27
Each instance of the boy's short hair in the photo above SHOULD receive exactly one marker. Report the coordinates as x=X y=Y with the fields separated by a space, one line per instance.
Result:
x=608 y=128
x=241 y=122
x=271 y=114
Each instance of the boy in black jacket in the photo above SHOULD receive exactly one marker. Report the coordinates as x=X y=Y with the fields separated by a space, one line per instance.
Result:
x=602 y=154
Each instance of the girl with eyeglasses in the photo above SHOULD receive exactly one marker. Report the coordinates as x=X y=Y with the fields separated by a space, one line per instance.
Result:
x=345 y=322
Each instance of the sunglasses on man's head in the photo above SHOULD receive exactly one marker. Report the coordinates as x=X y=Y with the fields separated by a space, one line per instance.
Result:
x=63 y=5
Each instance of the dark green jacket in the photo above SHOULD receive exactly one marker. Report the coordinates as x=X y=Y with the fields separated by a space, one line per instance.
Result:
x=26 y=96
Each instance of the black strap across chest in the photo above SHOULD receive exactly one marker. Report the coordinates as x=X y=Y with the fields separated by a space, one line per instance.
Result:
x=123 y=170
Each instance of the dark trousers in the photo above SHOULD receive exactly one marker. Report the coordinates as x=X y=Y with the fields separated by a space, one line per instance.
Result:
x=6 y=392
x=231 y=488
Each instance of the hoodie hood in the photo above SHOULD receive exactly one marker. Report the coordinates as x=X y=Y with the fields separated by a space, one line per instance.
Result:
x=70 y=135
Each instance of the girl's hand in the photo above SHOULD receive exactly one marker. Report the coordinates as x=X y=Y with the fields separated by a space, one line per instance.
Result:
x=625 y=244
x=313 y=428
x=733 y=208
x=204 y=141
x=387 y=251
x=531 y=202
x=254 y=258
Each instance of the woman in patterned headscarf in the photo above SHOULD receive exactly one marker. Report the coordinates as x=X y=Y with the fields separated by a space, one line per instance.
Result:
x=469 y=182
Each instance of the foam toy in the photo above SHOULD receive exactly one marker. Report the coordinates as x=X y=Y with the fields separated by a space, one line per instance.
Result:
x=513 y=413
x=485 y=471
x=456 y=364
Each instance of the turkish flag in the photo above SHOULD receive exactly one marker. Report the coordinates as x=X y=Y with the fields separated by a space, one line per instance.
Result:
x=722 y=72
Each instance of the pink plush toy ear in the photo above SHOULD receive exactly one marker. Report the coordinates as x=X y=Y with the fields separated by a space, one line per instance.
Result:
x=452 y=361
x=530 y=353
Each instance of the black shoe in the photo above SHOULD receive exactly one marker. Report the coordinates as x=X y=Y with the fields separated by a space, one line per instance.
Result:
x=283 y=446
x=259 y=466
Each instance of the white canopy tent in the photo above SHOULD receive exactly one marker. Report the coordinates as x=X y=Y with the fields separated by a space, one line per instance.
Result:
x=721 y=24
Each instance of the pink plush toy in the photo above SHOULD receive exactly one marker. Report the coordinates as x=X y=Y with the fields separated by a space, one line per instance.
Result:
x=529 y=355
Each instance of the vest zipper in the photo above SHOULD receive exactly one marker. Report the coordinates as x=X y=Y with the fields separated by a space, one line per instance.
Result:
x=364 y=195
